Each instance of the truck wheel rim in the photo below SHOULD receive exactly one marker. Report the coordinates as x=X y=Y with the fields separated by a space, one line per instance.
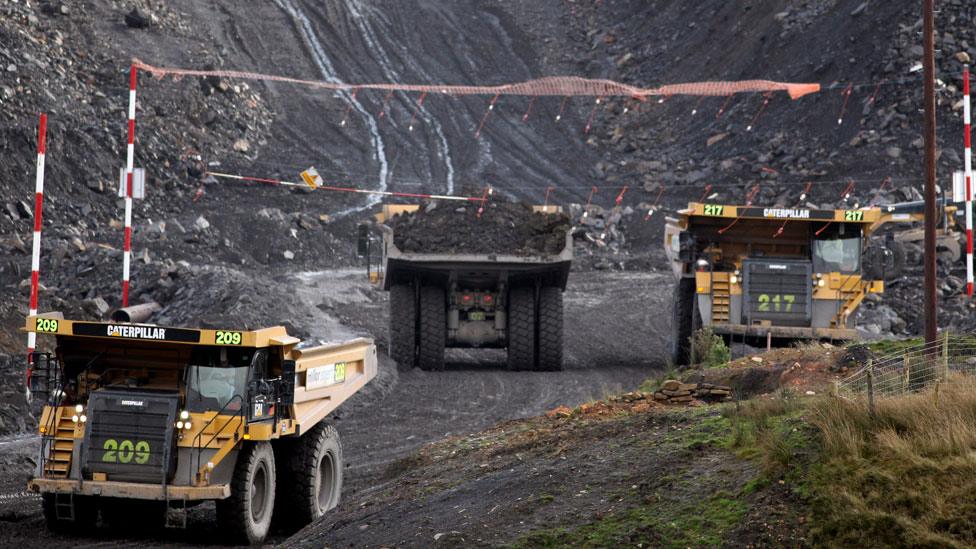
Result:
x=259 y=493
x=326 y=481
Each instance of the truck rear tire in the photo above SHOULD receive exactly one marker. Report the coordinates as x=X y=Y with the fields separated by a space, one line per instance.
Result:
x=81 y=507
x=246 y=515
x=550 y=335
x=403 y=326
x=433 y=328
x=521 y=329
x=312 y=473
x=682 y=305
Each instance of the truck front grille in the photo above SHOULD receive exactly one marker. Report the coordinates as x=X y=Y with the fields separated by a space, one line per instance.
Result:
x=777 y=291
x=130 y=435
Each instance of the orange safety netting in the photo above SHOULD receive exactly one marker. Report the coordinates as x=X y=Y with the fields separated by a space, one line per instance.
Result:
x=552 y=85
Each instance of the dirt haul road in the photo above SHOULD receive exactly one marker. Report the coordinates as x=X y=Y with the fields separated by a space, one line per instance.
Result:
x=401 y=411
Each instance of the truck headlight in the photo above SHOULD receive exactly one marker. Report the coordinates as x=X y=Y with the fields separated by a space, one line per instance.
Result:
x=184 y=415
x=79 y=408
x=179 y=424
x=820 y=282
x=74 y=418
x=82 y=418
x=733 y=279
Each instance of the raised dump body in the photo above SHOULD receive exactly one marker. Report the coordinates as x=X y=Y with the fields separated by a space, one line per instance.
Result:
x=440 y=300
x=174 y=415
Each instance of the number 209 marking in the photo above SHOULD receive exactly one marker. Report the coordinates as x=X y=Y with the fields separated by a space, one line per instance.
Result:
x=228 y=338
x=47 y=325
x=125 y=451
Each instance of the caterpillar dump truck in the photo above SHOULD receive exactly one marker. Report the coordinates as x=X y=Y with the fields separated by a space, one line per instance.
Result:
x=442 y=300
x=783 y=273
x=139 y=416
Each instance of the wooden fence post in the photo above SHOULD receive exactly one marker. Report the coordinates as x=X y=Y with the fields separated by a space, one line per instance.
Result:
x=945 y=357
x=906 y=369
x=871 y=387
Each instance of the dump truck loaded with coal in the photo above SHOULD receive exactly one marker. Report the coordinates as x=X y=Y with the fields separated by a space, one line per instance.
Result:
x=173 y=417
x=475 y=300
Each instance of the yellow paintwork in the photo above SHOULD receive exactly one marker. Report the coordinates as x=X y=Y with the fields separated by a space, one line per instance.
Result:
x=265 y=337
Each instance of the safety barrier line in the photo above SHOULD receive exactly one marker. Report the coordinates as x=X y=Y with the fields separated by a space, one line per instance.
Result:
x=341 y=189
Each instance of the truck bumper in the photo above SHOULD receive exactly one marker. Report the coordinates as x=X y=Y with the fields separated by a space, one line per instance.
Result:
x=791 y=332
x=128 y=490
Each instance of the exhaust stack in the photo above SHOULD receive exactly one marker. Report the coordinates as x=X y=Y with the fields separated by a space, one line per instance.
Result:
x=135 y=313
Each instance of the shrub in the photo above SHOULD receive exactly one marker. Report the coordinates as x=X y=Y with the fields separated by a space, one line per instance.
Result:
x=709 y=349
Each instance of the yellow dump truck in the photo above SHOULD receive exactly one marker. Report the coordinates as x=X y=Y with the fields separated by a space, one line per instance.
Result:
x=176 y=416
x=758 y=272
x=466 y=300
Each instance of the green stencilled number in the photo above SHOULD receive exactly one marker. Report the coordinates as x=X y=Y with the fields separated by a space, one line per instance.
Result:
x=777 y=300
x=853 y=215
x=46 y=325
x=111 y=447
x=142 y=452
x=126 y=450
x=714 y=209
x=228 y=338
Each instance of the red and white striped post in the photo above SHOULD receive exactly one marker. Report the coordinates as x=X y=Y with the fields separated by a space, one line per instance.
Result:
x=36 y=255
x=968 y=155
x=129 y=161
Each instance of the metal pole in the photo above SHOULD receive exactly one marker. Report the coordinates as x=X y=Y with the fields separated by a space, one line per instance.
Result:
x=930 y=209
x=36 y=255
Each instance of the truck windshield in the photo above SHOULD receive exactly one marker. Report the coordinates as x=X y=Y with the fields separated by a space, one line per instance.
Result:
x=837 y=254
x=213 y=387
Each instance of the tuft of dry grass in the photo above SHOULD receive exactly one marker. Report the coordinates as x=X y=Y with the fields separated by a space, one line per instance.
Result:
x=904 y=475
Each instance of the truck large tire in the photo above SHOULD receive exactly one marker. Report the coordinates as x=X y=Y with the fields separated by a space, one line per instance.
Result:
x=682 y=325
x=245 y=516
x=550 y=334
x=81 y=507
x=310 y=477
x=521 y=329
x=433 y=328
x=403 y=326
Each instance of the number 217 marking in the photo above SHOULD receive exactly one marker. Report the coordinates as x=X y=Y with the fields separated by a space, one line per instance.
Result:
x=777 y=300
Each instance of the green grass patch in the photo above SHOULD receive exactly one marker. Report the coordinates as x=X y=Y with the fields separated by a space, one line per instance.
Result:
x=701 y=524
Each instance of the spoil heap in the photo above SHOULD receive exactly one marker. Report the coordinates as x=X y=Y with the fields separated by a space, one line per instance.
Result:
x=510 y=228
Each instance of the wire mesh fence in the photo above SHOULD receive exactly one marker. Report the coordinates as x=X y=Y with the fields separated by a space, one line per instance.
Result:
x=912 y=368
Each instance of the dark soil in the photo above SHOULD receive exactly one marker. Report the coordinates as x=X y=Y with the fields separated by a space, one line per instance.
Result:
x=608 y=475
x=501 y=228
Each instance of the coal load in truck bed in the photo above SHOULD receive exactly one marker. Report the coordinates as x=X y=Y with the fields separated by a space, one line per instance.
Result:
x=505 y=228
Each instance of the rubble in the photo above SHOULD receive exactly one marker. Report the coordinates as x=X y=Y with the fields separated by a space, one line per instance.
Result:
x=673 y=391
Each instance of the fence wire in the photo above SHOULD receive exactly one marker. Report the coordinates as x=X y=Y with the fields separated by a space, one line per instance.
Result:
x=912 y=368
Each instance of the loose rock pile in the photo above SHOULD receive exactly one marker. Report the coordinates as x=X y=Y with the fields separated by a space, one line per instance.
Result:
x=673 y=391
x=502 y=228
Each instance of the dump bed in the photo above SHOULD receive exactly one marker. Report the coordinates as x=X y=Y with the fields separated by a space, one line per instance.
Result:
x=399 y=266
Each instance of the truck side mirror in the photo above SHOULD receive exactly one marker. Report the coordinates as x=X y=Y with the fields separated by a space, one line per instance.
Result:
x=363 y=240
x=287 y=394
x=686 y=247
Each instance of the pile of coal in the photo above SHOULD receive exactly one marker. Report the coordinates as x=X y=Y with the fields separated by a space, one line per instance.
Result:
x=504 y=228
